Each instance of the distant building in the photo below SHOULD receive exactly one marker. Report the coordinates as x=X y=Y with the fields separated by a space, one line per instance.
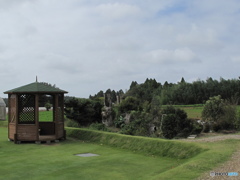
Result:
x=2 y=109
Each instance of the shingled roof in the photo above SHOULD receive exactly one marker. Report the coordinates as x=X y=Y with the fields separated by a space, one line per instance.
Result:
x=36 y=87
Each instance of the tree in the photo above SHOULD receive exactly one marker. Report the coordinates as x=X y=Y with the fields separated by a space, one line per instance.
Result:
x=175 y=123
x=83 y=111
x=213 y=109
x=133 y=84
x=129 y=104
x=219 y=113
x=48 y=106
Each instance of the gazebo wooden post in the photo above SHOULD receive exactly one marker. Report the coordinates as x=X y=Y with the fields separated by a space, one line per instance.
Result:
x=55 y=110
x=16 y=120
x=37 y=115
x=9 y=115
x=12 y=117
x=62 y=114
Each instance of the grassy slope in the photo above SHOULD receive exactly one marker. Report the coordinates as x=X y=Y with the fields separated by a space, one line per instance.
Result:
x=149 y=146
x=218 y=153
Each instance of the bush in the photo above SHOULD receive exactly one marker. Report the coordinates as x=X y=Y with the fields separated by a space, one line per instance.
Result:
x=216 y=127
x=128 y=130
x=71 y=123
x=237 y=122
x=196 y=127
x=207 y=128
x=98 y=126
x=119 y=122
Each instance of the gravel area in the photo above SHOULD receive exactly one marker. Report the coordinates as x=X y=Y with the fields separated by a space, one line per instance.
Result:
x=213 y=138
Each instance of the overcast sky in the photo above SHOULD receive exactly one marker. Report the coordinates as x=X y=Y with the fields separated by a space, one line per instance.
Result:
x=84 y=46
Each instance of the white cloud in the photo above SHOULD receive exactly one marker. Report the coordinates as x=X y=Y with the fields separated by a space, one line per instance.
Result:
x=182 y=55
x=117 y=10
x=197 y=37
x=235 y=59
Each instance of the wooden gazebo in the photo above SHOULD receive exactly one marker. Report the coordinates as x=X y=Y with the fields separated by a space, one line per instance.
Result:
x=23 y=113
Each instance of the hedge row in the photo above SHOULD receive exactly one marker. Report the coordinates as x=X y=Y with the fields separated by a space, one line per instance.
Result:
x=149 y=146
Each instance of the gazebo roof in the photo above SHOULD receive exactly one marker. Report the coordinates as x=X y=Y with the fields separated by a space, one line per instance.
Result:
x=36 y=87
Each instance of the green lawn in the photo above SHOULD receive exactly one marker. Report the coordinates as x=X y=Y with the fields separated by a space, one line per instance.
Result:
x=57 y=161
x=46 y=116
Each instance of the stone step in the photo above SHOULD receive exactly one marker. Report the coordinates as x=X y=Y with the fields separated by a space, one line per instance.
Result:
x=193 y=136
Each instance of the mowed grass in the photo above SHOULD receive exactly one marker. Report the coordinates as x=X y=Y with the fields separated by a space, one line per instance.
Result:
x=46 y=116
x=57 y=161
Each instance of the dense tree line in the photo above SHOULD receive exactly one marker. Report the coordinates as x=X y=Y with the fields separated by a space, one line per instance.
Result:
x=197 y=92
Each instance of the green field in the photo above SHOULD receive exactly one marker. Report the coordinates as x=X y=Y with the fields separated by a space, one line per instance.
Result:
x=194 y=111
x=58 y=160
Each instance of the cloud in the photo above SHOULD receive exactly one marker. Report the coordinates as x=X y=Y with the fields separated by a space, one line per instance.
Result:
x=181 y=55
x=235 y=59
x=117 y=10
x=197 y=37
x=62 y=64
